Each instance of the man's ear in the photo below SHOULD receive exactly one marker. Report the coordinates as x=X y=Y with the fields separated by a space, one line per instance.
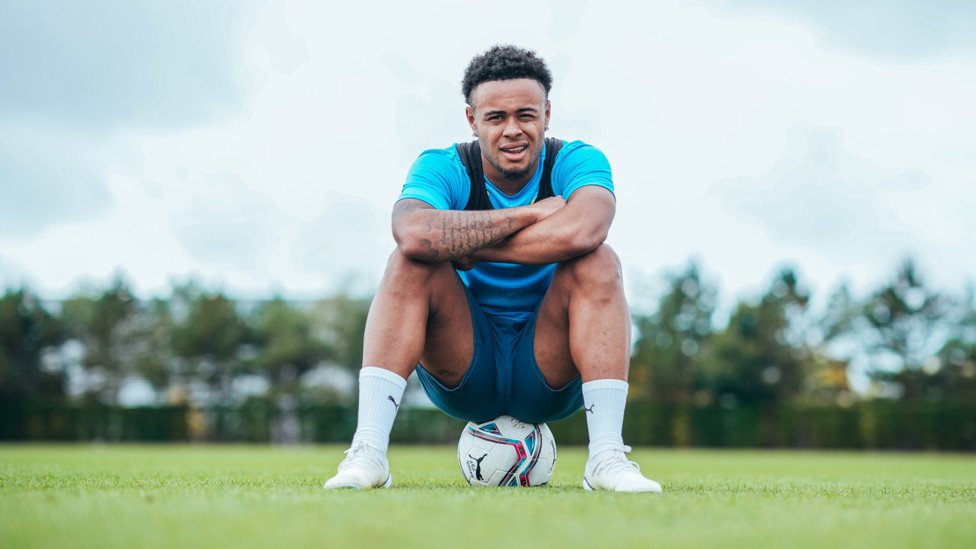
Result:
x=469 y=114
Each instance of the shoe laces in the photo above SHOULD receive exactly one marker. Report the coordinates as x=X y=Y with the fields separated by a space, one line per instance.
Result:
x=362 y=454
x=615 y=460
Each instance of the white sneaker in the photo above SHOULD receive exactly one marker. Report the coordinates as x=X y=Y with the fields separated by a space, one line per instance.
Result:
x=364 y=468
x=611 y=470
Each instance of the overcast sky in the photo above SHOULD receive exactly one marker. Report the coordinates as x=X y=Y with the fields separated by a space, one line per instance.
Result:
x=259 y=146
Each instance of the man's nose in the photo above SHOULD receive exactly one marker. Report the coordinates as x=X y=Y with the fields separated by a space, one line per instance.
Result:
x=512 y=127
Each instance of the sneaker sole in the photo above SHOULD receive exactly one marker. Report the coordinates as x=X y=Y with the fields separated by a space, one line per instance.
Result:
x=387 y=484
x=588 y=488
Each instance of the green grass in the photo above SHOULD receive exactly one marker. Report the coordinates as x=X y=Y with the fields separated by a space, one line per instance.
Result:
x=234 y=496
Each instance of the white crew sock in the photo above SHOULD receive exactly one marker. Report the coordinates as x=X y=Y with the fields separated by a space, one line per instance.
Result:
x=604 y=401
x=380 y=392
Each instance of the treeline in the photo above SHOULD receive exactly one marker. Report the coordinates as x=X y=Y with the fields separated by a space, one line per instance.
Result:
x=195 y=346
x=911 y=342
x=771 y=357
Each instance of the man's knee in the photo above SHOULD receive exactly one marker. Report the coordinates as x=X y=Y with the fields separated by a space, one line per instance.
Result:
x=401 y=270
x=597 y=269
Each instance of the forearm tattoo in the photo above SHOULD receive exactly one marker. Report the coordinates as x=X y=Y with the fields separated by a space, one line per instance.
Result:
x=464 y=232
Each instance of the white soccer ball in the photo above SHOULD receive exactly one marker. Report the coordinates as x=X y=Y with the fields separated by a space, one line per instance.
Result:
x=506 y=452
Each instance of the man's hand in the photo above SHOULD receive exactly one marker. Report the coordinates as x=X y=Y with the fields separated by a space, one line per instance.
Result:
x=549 y=206
x=465 y=263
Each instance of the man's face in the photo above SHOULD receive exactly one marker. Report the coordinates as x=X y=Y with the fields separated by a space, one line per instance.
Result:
x=510 y=119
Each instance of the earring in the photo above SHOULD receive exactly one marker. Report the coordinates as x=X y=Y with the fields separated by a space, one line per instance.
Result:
x=474 y=134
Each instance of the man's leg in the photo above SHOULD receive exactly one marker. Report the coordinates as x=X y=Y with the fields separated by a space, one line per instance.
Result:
x=583 y=329
x=420 y=311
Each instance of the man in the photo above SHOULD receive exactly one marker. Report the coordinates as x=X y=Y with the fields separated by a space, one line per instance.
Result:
x=501 y=294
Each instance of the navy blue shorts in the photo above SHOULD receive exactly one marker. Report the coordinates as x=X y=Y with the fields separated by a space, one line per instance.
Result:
x=503 y=377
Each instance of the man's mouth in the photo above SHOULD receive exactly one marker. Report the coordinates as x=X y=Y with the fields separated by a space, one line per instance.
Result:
x=514 y=153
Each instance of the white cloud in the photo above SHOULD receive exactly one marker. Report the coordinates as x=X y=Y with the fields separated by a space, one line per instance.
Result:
x=334 y=101
x=228 y=225
x=897 y=30
x=821 y=197
x=50 y=176
x=122 y=63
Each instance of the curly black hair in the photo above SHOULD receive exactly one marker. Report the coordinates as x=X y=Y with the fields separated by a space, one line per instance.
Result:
x=505 y=62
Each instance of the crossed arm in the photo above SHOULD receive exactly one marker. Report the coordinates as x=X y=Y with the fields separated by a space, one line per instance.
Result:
x=548 y=231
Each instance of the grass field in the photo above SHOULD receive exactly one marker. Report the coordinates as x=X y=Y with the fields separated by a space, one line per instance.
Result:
x=235 y=496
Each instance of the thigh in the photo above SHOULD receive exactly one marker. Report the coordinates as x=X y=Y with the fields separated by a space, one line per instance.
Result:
x=551 y=334
x=449 y=340
x=584 y=324
x=419 y=312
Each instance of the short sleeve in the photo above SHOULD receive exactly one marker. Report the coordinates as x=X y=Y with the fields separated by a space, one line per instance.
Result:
x=579 y=165
x=435 y=178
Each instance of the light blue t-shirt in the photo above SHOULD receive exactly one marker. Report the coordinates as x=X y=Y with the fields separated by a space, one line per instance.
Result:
x=506 y=290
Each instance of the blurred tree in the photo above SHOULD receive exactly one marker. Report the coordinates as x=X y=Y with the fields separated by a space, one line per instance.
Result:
x=833 y=342
x=664 y=365
x=208 y=336
x=950 y=374
x=27 y=331
x=957 y=365
x=760 y=357
x=902 y=326
x=287 y=347
x=154 y=343
x=340 y=322
x=827 y=381
x=841 y=315
x=106 y=325
x=954 y=379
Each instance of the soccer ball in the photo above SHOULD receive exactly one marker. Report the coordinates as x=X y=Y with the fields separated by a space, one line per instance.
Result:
x=506 y=452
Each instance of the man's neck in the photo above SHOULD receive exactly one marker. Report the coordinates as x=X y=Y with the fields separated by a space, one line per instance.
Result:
x=510 y=187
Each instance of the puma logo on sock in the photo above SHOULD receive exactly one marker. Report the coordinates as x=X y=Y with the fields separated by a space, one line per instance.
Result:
x=391 y=399
x=590 y=409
